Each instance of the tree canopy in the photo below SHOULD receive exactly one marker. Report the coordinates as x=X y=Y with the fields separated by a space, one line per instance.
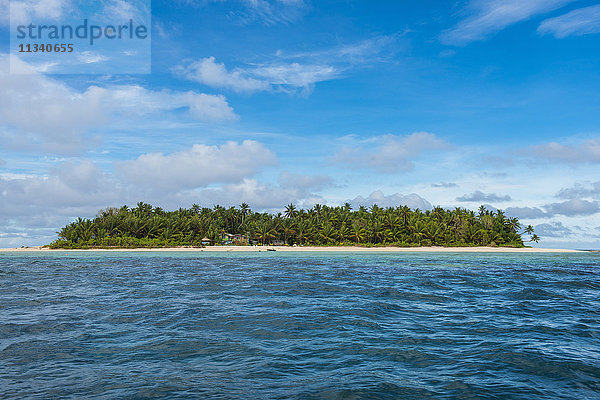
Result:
x=148 y=226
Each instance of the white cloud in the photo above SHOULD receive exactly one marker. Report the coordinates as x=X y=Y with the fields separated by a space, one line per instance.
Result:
x=367 y=48
x=553 y=229
x=83 y=176
x=90 y=57
x=136 y=100
x=33 y=208
x=295 y=75
x=124 y=10
x=45 y=111
x=569 y=208
x=579 y=191
x=579 y=153
x=526 y=212
x=73 y=187
x=389 y=153
x=40 y=113
x=479 y=196
x=208 y=72
x=486 y=17
x=25 y=11
x=287 y=77
x=290 y=72
x=197 y=167
x=260 y=196
x=412 y=200
x=205 y=107
x=577 y=22
x=573 y=207
x=366 y=51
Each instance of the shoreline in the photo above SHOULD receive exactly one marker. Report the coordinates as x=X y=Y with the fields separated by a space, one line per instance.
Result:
x=307 y=249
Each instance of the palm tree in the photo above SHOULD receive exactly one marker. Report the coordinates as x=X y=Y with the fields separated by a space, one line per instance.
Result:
x=290 y=211
x=303 y=231
x=265 y=232
x=344 y=232
x=328 y=233
x=145 y=225
x=405 y=215
x=287 y=228
x=359 y=233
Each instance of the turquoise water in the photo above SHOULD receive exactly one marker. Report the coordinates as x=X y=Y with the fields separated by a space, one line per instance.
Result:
x=318 y=326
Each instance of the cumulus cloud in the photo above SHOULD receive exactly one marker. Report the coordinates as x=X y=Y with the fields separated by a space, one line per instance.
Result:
x=412 y=200
x=259 y=195
x=71 y=189
x=553 y=229
x=578 y=191
x=444 y=185
x=569 y=208
x=136 y=100
x=573 y=207
x=41 y=113
x=581 y=153
x=33 y=208
x=278 y=76
x=526 y=212
x=578 y=22
x=197 y=167
x=479 y=196
x=484 y=18
x=82 y=176
x=44 y=110
x=389 y=153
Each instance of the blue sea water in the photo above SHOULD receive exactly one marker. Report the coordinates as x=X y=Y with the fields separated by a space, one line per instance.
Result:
x=299 y=326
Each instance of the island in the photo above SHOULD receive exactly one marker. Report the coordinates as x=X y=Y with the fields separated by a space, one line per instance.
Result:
x=145 y=226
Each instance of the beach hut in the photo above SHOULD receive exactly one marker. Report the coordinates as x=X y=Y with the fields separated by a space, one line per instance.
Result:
x=206 y=242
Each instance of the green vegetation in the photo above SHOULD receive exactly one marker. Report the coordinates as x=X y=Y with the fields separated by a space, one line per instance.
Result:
x=147 y=226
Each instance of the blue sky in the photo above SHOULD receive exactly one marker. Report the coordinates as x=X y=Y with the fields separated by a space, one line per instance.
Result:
x=270 y=102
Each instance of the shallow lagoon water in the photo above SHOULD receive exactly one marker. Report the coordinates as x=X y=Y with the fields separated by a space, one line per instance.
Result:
x=304 y=326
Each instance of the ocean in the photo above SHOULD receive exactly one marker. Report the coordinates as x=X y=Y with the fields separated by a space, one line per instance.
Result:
x=299 y=326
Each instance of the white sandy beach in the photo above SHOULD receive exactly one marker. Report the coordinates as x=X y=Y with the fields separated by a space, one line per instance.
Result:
x=217 y=249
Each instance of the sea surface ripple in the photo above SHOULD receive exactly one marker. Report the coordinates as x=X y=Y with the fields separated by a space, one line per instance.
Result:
x=301 y=326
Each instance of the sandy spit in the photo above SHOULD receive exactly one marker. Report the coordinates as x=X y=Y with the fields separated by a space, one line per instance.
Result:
x=217 y=249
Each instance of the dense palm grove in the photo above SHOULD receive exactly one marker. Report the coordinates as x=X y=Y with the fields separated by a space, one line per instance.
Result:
x=147 y=226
